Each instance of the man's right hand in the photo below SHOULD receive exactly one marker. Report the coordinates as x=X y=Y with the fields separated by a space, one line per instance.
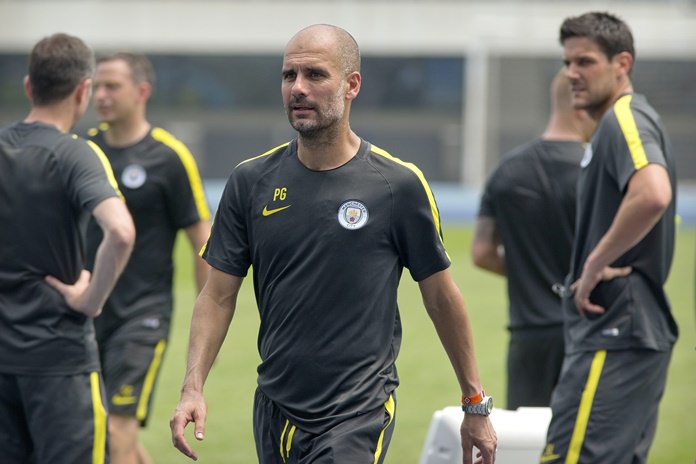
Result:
x=478 y=431
x=191 y=408
x=75 y=294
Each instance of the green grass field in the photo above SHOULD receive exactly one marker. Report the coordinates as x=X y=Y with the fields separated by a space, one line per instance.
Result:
x=427 y=379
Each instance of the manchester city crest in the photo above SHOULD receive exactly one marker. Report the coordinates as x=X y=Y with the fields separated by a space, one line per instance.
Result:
x=352 y=215
x=133 y=176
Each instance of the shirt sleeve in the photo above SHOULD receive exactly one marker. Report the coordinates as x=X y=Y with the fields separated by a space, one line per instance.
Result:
x=186 y=201
x=637 y=143
x=416 y=226
x=487 y=203
x=87 y=173
x=228 y=246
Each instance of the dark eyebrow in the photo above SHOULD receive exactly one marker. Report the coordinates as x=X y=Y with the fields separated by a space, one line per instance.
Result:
x=317 y=69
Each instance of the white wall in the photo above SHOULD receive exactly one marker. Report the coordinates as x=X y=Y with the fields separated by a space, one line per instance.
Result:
x=661 y=28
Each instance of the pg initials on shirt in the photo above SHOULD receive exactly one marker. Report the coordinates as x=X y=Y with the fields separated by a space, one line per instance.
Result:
x=280 y=194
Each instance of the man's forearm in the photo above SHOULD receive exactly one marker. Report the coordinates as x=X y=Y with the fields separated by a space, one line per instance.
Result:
x=647 y=197
x=113 y=251
x=486 y=249
x=445 y=306
x=209 y=325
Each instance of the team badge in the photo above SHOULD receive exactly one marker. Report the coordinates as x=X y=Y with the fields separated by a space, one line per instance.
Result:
x=133 y=176
x=587 y=157
x=352 y=215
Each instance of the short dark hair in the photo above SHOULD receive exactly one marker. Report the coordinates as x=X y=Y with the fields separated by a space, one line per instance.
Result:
x=610 y=33
x=141 y=68
x=57 y=64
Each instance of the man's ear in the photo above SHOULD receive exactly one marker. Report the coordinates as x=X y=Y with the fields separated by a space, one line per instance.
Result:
x=27 y=88
x=144 y=91
x=624 y=63
x=354 y=79
x=83 y=91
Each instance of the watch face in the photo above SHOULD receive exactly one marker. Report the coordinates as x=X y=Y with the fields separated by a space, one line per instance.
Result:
x=488 y=403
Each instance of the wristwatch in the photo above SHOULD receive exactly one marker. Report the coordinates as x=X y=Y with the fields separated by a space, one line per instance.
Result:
x=482 y=408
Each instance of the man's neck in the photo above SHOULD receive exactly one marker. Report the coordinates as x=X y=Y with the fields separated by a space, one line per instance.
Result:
x=563 y=129
x=125 y=134
x=623 y=88
x=329 y=152
x=59 y=115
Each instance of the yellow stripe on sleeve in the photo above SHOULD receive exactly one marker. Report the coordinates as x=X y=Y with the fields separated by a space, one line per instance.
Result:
x=421 y=177
x=189 y=163
x=107 y=167
x=266 y=153
x=622 y=109
x=99 y=412
x=585 y=407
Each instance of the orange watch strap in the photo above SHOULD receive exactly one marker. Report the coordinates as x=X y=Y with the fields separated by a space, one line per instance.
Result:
x=473 y=399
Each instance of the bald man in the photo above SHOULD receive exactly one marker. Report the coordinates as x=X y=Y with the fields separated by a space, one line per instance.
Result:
x=327 y=222
x=524 y=231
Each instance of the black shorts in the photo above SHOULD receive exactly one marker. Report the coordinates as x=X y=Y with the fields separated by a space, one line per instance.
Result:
x=131 y=360
x=535 y=357
x=364 y=438
x=604 y=408
x=53 y=419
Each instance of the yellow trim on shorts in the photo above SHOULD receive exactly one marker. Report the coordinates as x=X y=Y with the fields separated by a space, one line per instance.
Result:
x=285 y=453
x=189 y=163
x=585 y=407
x=390 y=407
x=622 y=109
x=288 y=442
x=99 y=412
x=148 y=385
x=282 y=434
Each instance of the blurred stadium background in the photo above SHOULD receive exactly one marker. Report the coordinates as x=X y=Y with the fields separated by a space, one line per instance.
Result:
x=449 y=85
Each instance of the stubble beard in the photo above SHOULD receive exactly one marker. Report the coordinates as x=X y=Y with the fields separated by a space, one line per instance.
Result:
x=595 y=105
x=326 y=122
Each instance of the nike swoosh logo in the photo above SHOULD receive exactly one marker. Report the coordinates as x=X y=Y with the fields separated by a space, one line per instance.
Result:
x=549 y=457
x=268 y=212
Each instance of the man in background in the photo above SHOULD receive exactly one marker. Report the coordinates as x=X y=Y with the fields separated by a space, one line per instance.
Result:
x=524 y=231
x=162 y=187
x=619 y=327
x=52 y=404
